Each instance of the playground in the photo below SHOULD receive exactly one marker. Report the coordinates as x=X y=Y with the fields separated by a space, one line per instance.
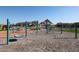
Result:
x=38 y=40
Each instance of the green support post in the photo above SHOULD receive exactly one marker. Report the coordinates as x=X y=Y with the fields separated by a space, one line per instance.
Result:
x=37 y=27
x=13 y=29
x=61 y=28
x=75 y=30
x=46 y=27
x=16 y=27
x=8 y=30
x=26 y=28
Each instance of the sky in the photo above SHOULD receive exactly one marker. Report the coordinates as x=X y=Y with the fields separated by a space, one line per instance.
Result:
x=65 y=14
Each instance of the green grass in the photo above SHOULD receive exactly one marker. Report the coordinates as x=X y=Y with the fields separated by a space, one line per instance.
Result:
x=67 y=30
x=70 y=30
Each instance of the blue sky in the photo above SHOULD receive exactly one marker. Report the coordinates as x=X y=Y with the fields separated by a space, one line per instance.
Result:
x=29 y=13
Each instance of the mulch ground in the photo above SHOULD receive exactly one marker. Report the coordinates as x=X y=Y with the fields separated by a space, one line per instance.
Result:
x=42 y=42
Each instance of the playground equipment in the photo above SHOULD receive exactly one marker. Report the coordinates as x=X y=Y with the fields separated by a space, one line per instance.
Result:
x=8 y=30
x=37 y=28
x=8 y=33
x=47 y=27
x=61 y=27
x=26 y=28
x=76 y=30
x=74 y=27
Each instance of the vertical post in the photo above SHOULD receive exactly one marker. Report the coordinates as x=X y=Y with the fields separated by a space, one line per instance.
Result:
x=17 y=27
x=61 y=28
x=26 y=27
x=8 y=29
x=46 y=27
x=75 y=30
x=37 y=27
x=13 y=28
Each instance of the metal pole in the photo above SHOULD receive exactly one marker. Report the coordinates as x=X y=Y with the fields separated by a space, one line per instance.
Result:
x=13 y=29
x=61 y=28
x=37 y=27
x=8 y=30
x=26 y=27
x=75 y=30
x=46 y=27
x=17 y=27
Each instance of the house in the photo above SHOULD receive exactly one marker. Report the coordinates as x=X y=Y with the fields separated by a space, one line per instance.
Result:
x=3 y=27
x=45 y=22
x=0 y=27
x=33 y=23
x=20 y=24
